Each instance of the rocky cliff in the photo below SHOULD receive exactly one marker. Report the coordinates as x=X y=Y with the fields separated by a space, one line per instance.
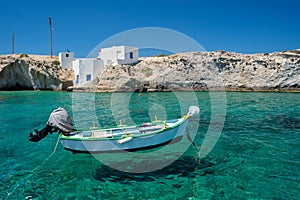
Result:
x=33 y=72
x=219 y=70
x=278 y=71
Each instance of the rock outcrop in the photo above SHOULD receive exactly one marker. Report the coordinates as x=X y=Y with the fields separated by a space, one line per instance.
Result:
x=219 y=70
x=33 y=72
x=197 y=71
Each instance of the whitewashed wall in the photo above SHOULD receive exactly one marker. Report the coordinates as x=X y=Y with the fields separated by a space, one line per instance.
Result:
x=87 y=67
x=66 y=60
x=119 y=55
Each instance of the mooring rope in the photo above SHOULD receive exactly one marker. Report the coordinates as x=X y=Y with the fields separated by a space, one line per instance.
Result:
x=190 y=139
x=54 y=150
x=35 y=169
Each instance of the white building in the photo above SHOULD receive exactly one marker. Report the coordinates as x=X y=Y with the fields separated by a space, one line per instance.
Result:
x=66 y=60
x=87 y=69
x=119 y=55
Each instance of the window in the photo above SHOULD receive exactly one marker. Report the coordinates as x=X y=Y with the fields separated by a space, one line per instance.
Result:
x=77 y=79
x=67 y=55
x=88 y=77
x=131 y=55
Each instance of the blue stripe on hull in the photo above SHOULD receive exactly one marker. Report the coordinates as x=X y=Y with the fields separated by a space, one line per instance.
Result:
x=175 y=140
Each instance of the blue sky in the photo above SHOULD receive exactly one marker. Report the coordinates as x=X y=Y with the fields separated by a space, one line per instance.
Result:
x=240 y=26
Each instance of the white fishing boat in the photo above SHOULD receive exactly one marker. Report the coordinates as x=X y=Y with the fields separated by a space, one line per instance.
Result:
x=122 y=138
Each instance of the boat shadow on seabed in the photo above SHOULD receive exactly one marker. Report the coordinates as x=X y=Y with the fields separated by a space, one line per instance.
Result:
x=185 y=166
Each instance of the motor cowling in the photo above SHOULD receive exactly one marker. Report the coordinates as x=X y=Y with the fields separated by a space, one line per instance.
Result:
x=59 y=120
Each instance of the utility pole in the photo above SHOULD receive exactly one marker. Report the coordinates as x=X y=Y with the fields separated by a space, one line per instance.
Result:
x=50 y=23
x=13 y=43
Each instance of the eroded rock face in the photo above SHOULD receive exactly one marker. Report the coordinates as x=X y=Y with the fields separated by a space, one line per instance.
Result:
x=33 y=72
x=218 y=70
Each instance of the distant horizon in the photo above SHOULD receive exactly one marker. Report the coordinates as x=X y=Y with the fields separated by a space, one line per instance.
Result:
x=150 y=54
x=154 y=55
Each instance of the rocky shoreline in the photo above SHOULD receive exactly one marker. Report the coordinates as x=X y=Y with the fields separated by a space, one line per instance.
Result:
x=33 y=72
x=203 y=71
x=195 y=71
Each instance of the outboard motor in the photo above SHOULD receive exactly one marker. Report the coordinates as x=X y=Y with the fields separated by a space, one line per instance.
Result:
x=59 y=120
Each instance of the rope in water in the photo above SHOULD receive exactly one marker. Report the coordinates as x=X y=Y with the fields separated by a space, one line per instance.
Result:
x=190 y=139
x=15 y=186
x=54 y=150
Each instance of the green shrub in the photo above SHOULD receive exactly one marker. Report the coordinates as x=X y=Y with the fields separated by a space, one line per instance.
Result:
x=161 y=55
x=56 y=62
x=23 y=55
x=147 y=71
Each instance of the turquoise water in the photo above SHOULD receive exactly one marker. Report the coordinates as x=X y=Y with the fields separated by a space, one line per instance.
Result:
x=256 y=157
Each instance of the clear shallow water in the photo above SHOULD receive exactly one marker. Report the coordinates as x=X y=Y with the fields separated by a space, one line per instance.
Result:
x=256 y=157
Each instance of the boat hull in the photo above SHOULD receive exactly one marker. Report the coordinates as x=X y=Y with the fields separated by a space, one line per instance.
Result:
x=170 y=135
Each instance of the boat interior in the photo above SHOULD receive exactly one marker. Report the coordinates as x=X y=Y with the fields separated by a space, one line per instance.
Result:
x=122 y=131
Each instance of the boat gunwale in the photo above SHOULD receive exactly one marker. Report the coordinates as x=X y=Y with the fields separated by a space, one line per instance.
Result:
x=162 y=130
